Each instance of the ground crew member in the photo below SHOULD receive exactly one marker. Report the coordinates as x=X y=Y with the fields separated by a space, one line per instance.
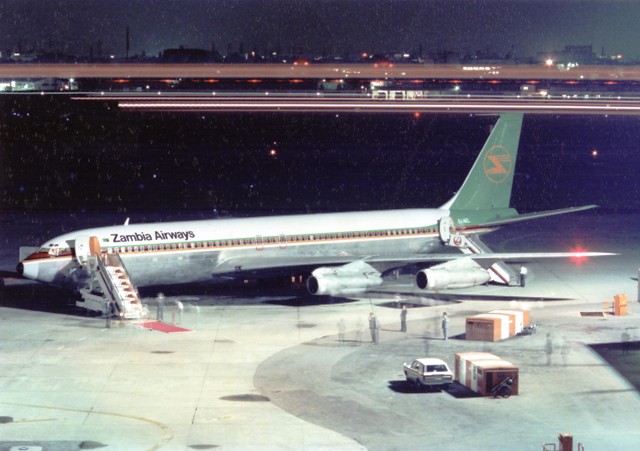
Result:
x=403 y=319
x=523 y=275
x=445 y=325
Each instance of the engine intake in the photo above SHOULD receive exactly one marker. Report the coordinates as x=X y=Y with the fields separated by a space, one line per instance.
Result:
x=440 y=279
x=335 y=282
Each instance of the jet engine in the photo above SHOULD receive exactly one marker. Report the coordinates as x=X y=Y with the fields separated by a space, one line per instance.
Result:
x=342 y=281
x=442 y=278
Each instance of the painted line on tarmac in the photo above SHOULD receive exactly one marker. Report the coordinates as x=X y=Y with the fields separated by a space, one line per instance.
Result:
x=168 y=433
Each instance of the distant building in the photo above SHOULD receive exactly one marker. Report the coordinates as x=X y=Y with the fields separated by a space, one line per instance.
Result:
x=581 y=54
x=37 y=84
x=571 y=54
x=23 y=57
x=183 y=55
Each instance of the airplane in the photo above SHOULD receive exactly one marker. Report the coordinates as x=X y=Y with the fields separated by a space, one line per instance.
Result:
x=346 y=253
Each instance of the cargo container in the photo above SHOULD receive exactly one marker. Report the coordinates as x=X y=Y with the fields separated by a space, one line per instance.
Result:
x=520 y=319
x=487 y=327
x=620 y=304
x=482 y=371
x=496 y=325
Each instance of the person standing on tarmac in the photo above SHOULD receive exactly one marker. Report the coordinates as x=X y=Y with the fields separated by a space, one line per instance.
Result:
x=403 y=319
x=548 y=348
x=626 y=338
x=373 y=327
x=445 y=325
x=523 y=276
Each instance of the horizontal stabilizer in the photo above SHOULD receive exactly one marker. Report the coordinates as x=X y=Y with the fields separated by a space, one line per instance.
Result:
x=541 y=214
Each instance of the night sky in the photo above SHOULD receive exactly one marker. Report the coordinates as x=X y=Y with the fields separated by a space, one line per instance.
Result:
x=331 y=26
x=69 y=156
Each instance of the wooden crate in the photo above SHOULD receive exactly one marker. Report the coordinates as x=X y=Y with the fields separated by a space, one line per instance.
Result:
x=487 y=327
x=482 y=371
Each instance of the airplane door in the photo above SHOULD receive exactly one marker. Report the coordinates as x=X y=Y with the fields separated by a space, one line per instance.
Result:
x=259 y=243
x=283 y=241
x=85 y=247
x=446 y=228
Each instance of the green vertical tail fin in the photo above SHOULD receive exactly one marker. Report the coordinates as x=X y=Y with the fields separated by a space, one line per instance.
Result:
x=488 y=184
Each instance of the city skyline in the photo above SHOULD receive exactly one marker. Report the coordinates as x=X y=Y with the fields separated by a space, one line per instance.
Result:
x=522 y=28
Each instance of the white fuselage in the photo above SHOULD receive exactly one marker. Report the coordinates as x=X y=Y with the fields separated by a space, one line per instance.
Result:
x=197 y=251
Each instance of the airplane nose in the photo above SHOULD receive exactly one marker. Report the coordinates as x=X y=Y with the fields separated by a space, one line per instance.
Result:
x=20 y=268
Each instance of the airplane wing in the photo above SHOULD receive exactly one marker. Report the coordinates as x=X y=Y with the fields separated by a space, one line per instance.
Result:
x=242 y=264
x=487 y=259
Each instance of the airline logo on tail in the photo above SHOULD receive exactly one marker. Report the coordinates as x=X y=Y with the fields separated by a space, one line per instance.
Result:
x=497 y=164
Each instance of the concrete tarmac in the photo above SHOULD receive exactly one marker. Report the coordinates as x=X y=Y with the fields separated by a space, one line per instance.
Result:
x=273 y=370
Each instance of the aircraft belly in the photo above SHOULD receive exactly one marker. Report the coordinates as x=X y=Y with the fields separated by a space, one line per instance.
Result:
x=170 y=268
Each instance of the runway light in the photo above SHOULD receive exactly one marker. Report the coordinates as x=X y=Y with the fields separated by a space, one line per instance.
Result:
x=594 y=153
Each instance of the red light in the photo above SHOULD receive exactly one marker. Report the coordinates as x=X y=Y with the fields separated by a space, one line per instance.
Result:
x=579 y=258
x=416 y=115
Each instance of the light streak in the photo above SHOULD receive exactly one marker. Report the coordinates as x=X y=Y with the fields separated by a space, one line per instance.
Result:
x=295 y=105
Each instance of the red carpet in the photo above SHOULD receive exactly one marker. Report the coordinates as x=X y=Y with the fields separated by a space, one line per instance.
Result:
x=163 y=327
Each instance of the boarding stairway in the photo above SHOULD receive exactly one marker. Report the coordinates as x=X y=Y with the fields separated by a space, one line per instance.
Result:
x=500 y=272
x=110 y=289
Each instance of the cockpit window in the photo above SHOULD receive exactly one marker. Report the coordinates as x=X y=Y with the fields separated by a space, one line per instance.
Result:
x=54 y=250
